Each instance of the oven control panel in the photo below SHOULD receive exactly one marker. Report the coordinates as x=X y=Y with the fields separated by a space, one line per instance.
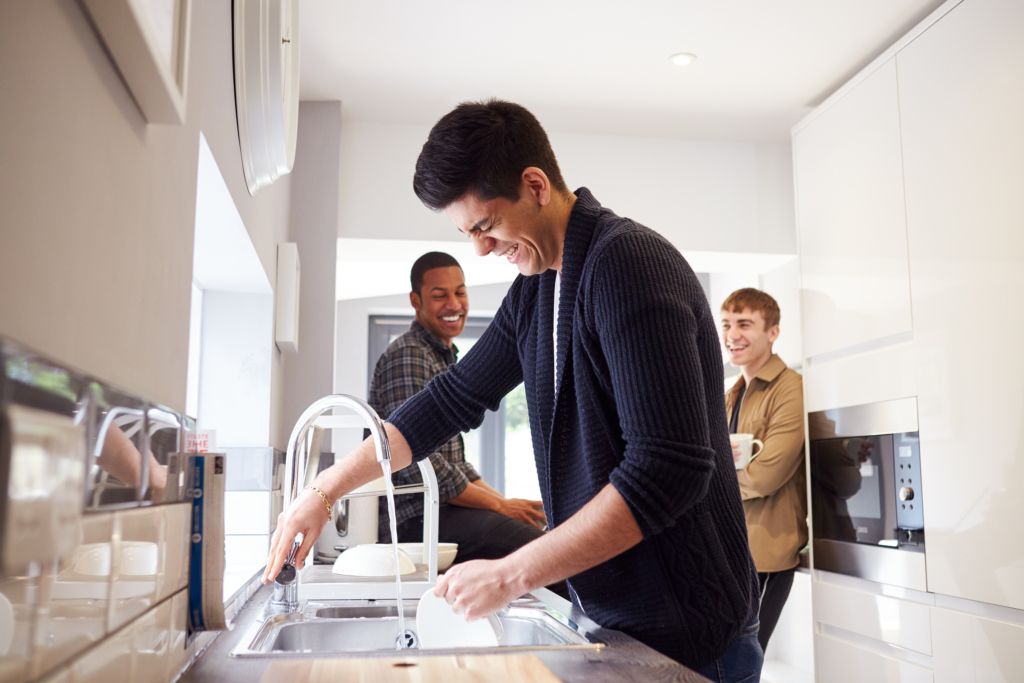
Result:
x=907 y=482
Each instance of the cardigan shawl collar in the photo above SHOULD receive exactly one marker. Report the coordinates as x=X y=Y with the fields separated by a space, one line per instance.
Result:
x=578 y=236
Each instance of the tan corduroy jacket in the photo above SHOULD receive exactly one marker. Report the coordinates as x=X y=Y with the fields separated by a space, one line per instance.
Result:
x=773 y=486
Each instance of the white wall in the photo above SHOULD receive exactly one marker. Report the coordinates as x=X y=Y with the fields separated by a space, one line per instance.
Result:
x=314 y=221
x=234 y=386
x=97 y=207
x=783 y=283
x=702 y=195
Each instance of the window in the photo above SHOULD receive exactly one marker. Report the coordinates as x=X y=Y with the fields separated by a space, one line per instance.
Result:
x=500 y=449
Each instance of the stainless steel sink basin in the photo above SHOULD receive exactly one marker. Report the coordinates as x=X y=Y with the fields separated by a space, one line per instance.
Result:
x=361 y=627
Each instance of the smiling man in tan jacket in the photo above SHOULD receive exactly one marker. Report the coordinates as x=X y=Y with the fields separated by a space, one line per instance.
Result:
x=767 y=401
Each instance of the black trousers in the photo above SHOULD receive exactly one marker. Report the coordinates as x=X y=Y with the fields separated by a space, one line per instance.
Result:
x=481 y=535
x=775 y=588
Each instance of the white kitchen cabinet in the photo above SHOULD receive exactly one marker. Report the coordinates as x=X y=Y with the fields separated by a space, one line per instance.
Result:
x=837 y=660
x=863 y=608
x=961 y=92
x=851 y=219
x=972 y=649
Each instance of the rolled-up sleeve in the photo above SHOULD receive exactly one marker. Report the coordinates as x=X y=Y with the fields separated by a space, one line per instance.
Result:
x=467 y=470
x=649 y=336
x=451 y=480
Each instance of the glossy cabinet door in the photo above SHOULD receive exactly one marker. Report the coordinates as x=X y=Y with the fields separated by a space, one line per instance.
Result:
x=871 y=613
x=972 y=649
x=837 y=660
x=848 y=177
x=961 y=90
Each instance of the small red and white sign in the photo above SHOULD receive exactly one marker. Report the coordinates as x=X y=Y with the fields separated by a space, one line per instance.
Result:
x=202 y=441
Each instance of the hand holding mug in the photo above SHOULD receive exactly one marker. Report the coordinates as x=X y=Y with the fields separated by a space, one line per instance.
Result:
x=743 y=451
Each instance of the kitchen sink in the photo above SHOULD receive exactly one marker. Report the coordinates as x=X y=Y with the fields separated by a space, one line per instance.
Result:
x=368 y=627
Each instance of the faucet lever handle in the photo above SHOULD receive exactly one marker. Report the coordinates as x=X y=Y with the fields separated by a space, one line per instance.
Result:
x=287 y=573
x=295 y=549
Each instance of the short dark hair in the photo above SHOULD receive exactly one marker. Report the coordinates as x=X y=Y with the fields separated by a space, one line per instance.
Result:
x=429 y=261
x=756 y=301
x=482 y=147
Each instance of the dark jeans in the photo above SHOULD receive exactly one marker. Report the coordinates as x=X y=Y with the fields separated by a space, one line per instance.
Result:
x=741 y=662
x=481 y=535
x=775 y=588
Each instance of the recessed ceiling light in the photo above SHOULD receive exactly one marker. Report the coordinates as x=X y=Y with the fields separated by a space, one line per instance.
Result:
x=683 y=58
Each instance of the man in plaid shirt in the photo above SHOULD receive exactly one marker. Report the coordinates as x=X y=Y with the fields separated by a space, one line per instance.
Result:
x=485 y=524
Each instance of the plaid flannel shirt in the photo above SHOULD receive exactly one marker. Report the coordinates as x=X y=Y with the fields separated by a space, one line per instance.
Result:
x=405 y=367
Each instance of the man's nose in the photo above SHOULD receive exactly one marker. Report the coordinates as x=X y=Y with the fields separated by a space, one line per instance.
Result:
x=483 y=244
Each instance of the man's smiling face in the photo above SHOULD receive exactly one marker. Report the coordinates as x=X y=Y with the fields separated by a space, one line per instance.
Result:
x=514 y=230
x=442 y=303
x=747 y=337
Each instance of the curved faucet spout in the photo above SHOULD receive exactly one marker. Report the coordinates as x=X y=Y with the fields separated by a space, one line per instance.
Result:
x=295 y=467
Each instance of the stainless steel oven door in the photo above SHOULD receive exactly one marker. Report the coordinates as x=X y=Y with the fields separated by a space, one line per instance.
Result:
x=866 y=497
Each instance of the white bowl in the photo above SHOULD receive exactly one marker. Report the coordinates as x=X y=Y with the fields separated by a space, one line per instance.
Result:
x=372 y=559
x=139 y=558
x=91 y=560
x=445 y=553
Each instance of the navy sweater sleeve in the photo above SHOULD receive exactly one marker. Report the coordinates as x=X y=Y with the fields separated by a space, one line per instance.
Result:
x=642 y=309
x=455 y=401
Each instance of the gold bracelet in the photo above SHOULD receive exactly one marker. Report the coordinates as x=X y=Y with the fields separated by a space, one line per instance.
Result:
x=323 y=497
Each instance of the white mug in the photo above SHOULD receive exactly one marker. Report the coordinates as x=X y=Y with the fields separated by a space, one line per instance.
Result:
x=746 y=443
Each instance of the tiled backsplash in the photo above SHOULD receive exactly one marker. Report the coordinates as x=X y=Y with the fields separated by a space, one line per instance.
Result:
x=252 y=503
x=93 y=571
x=119 y=602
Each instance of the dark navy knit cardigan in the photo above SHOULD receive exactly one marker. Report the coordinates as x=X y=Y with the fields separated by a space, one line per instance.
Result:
x=641 y=405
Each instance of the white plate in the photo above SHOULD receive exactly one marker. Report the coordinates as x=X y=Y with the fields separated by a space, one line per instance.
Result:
x=438 y=626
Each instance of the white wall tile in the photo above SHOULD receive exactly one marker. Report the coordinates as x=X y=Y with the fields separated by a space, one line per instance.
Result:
x=109 y=661
x=247 y=512
x=244 y=556
x=138 y=547
x=17 y=609
x=151 y=635
x=177 y=521
x=72 y=615
x=177 y=655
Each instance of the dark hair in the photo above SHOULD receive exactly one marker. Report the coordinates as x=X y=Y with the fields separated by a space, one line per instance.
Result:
x=756 y=301
x=482 y=147
x=429 y=261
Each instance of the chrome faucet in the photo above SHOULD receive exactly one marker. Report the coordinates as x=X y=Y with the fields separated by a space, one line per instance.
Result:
x=296 y=467
x=299 y=474
x=286 y=594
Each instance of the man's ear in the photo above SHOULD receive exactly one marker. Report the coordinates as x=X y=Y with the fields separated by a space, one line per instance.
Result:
x=415 y=300
x=773 y=334
x=537 y=184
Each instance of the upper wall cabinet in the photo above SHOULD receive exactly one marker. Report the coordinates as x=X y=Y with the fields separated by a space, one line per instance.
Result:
x=961 y=87
x=851 y=218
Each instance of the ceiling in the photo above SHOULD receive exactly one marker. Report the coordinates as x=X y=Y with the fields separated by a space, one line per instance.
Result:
x=597 y=66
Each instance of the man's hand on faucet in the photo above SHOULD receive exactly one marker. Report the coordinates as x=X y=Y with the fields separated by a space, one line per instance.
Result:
x=309 y=512
x=306 y=515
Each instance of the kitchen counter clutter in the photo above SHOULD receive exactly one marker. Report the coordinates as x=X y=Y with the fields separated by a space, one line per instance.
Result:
x=621 y=658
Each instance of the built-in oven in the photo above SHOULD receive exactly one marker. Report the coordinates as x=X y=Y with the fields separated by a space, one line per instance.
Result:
x=867 y=502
